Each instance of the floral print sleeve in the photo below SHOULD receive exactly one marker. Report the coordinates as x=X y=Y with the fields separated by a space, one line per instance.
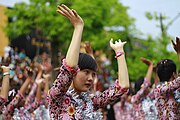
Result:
x=151 y=95
x=33 y=106
x=44 y=101
x=123 y=109
x=2 y=102
x=30 y=98
x=142 y=92
x=177 y=96
x=108 y=96
x=166 y=104
x=9 y=110
x=168 y=87
x=60 y=87
x=62 y=82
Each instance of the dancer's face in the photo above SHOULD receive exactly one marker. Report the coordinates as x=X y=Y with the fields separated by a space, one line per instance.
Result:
x=84 y=80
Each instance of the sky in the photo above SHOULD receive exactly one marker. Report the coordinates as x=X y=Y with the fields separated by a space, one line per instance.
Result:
x=169 y=8
x=137 y=10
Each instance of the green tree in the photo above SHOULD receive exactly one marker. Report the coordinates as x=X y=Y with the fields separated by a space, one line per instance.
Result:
x=153 y=48
x=40 y=17
x=103 y=20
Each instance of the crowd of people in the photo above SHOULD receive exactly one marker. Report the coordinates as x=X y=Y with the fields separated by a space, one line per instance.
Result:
x=79 y=91
x=25 y=84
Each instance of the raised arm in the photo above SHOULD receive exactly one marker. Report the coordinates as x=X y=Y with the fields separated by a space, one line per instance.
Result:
x=30 y=98
x=39 y=70
x=149 y=63
x=144 y=89
x=72 y=55
x=88 y=49
x=8 y=112
x=27 y=81
x=123 y=76
x=36 y=102
x=46 y=80
x=46 y=89
x=39 y=85
x=5 y=82
x=69 y=67
x=5 y=87
x=156 y=78
x=176 y=47
x=121 y=86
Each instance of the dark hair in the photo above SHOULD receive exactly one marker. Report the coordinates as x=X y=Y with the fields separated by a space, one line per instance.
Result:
x=138 y=84
x=165 y=69
x=87 y=62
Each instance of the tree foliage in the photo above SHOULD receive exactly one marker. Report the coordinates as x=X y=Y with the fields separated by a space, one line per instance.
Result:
x=41 y=18
x=103 y=20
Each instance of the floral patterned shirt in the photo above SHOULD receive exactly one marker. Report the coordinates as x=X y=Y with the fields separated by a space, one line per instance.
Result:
x=42 y=112
x=12 y=112
x=136 y=100
x=32 y=94
x=24 y=113
x=177 y=95
x=2 y=102
x=65 y=104
x=44 y=100
x=166 y=104
x=8 y=111
x=123 y=109
x=33 y=105
x=148 y=106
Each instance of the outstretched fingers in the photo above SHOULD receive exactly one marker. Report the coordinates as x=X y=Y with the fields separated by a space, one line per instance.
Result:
x=72 y=15
x=111 y=42
x=146 y=61
x=75 y=13
x=177 y=40
x=65 y=11
x=69 y=11
x=62 y=13
x=121 y=42
x=116 y=42
x=39 y=81
x=173 y=43
x=176 y=45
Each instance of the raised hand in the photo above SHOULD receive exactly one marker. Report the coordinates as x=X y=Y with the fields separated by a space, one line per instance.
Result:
x=154 y=68
x=72 y=15
x=46 y=76
x=118 y=46
x=176 y=45
x=39 y=81
x=88 y=47
x=123 y=76
x=5 y=68
x=146 y=61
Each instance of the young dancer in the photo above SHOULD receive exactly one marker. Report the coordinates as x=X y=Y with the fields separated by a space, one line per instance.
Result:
x=166 y=104
x=69 y=96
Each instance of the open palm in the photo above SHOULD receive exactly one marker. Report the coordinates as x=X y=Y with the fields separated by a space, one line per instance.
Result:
x=117 y=46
